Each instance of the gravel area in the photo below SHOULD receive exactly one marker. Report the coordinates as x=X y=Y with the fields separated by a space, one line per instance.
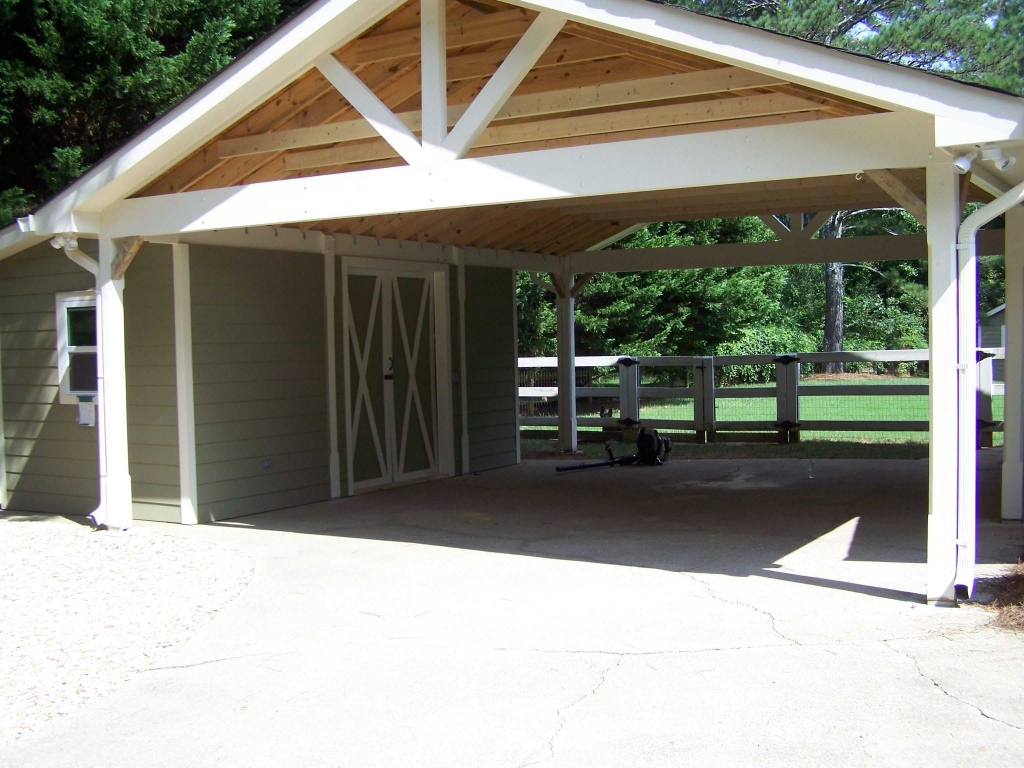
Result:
x=83 y=611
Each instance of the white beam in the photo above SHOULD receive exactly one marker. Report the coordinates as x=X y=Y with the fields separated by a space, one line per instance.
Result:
x=1013 y=401
x=187 y=477
x=502 y=83
x=366 y=103
x=115 y=509
x=815 y=149
x=828 y=251
x=775 y=224
x=816 y=223
x=945 y=378
x=433 y=75
x=968 y=115
x=967 y=407
x=617 y=237
x=904 y=196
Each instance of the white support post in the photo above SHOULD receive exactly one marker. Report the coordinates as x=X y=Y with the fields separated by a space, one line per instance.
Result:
x=629 y=390
x=1013 y=401
x=115 y=508
x=566 y=363
x=463 y=368
x=433 y=75
x=330 y=281
x=3 y=447
x=943 y=218
x=185 y=386
x=985 y=400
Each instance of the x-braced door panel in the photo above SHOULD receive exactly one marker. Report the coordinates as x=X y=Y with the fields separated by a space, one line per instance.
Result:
x=393 y=414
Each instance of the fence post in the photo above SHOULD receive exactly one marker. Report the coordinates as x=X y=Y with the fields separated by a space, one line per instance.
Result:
x=787 y=404
x=629 y=391
x=704 y=399
x=985 y=362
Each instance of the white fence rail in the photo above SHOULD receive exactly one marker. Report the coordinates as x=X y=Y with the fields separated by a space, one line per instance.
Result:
x=787 y=392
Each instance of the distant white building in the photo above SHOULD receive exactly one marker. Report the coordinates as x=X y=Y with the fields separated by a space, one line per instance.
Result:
x=992 y=333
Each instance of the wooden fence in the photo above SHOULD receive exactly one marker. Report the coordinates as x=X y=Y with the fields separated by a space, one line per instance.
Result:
x=625 y=399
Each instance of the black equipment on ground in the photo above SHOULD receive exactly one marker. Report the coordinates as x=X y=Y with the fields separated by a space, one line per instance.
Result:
x=651 y=449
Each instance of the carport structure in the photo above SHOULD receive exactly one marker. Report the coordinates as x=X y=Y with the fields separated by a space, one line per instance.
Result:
x=409 y=144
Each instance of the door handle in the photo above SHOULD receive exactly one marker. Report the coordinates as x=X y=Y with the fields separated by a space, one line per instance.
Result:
x=389 y=377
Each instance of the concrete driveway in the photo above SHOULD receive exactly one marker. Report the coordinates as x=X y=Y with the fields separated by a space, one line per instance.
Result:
x=703 y=613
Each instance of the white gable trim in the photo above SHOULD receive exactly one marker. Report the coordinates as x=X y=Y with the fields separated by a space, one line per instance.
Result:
x=968 y=114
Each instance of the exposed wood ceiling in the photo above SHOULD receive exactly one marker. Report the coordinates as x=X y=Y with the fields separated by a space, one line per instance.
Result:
x=589 y=86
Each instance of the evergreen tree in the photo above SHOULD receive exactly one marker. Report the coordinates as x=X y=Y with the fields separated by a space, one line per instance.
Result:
x=81 y=76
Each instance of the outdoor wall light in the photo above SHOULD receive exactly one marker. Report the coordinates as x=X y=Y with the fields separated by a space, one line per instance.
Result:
x=963 y=163
x=1001 y=162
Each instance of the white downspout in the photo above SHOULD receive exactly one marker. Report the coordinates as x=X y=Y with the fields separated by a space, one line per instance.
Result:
x=70 y=245
x=966 y=508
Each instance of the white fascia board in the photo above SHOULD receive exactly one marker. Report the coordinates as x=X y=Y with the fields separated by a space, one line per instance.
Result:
x=13 y=240
x=968 y=114
x=250 y=80
x=813 y=149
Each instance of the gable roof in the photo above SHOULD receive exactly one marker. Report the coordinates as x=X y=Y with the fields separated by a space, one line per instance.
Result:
x=963 y=113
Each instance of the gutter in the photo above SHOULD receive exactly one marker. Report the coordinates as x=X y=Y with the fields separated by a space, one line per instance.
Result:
x=967 y=251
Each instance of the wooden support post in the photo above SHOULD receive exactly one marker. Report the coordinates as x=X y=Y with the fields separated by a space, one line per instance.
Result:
x=115 y=509
x=330 y=291
x=943 y=218
x=793 y=400
x=704 y=399
x=629 y=389
x=781 y=400
x=566 y=364
x=984 y=401
x=1013 y=401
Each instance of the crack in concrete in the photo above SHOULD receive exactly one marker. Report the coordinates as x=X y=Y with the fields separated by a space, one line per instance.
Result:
x=715 y=596
x=938 y=685
x=562 y=710
x=209 y=661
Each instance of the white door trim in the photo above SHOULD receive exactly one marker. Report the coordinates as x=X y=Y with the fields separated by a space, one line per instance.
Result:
x=444 y=451
x=185 y=384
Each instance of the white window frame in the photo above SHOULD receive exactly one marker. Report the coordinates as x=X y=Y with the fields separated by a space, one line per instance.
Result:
x=65 y=301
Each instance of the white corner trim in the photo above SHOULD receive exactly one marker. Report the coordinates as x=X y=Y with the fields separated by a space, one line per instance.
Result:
x=346 y=383
x=185 y=385
x=3 y=447
x=330 y=276
x=515 y=367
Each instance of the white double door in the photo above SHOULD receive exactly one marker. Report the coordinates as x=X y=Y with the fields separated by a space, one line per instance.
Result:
x=391 y=327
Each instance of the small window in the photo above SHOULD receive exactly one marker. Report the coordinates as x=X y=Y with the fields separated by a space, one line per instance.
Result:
x=76 y=346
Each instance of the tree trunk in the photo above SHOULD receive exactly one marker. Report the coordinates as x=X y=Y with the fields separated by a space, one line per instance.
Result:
x=834 y=291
